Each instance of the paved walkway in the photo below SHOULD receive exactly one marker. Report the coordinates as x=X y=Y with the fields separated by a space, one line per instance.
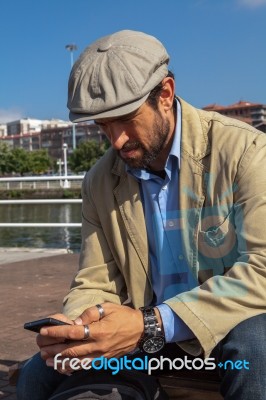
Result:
x=32 y=286
x=10 y=255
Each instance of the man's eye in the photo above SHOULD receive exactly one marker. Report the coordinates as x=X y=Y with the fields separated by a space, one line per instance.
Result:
x=128 y=120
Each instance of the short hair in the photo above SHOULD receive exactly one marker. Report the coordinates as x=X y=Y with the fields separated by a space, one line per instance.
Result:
x=154 y=95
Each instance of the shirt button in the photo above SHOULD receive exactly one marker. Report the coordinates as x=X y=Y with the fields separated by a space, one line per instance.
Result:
x=171 y=223
x=181 y=257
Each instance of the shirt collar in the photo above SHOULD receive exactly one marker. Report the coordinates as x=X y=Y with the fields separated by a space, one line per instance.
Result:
x=176 y=146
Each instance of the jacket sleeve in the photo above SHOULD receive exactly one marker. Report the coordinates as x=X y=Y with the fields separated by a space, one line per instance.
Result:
x=98 y=279
x=224 y=300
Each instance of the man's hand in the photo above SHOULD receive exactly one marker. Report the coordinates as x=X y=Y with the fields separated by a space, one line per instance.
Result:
x=116 y=334
x=46 y=340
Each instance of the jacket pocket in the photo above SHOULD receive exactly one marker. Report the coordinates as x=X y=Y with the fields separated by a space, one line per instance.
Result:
x=217 y=243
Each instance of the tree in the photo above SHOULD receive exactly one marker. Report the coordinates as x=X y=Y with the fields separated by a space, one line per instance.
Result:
x=20 y=161
x=39 y=161
x=86 y=155
x=5 y=153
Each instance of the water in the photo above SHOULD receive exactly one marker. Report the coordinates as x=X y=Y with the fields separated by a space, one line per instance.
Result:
x=68 y=238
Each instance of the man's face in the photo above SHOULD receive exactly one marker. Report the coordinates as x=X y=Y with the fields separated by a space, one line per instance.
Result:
x=140 y=138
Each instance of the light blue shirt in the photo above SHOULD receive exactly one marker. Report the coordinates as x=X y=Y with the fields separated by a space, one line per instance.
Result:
x=170 y=273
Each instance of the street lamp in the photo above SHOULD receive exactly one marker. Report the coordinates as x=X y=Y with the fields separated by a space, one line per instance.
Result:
x=71 y=48
x=66 y=183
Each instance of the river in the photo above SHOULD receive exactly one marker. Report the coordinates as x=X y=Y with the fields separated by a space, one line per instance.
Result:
x=68 y=238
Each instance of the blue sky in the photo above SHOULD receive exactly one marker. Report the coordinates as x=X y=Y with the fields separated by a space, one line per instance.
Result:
x=217 y=48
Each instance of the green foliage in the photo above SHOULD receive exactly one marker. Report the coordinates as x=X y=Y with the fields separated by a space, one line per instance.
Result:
x=86 y=155
x=15 y=194
x=5 y=166
x=40 y=161
x=21 y=161
x=55 y=166
x=69 y=194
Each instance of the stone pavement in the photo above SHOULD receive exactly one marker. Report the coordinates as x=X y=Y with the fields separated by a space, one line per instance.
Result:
x=30 y=288
x=10 y=255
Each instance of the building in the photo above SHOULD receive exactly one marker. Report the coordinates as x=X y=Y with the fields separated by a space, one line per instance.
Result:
x=53 y=139
x=3 y=130
x=31 y=134
x=23 y=126
x=26 y=132
x=252 y=113
x=30 y=125
x=54 y=123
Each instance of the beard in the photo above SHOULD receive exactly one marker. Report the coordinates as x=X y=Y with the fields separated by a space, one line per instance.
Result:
x=160 y=131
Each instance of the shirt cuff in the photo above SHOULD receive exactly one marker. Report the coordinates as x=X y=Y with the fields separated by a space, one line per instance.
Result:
x=175 y=329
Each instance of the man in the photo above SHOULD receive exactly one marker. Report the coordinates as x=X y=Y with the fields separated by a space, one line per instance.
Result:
x=173 y=221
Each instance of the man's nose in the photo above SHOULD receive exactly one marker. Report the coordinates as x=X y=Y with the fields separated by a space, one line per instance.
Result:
x=117 y=135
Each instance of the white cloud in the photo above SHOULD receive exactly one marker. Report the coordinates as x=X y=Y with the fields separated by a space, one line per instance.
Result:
x=252 y=3
x=11 y=114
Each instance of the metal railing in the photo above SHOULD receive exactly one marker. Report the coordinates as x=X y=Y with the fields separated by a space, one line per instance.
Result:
x=41 y=201
x=40 y=225
x=41 y=182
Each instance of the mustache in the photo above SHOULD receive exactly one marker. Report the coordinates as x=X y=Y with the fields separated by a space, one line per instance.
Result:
x=131 y=146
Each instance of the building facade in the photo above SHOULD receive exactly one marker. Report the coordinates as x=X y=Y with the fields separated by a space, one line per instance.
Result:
x=251 y=113
x=3 y=130
x=32 y=134
x=53 y=139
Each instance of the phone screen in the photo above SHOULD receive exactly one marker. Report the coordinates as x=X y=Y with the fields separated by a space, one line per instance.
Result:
x=36 y=326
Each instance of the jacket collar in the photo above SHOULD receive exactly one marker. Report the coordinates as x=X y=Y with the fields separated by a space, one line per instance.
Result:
x=195 y=125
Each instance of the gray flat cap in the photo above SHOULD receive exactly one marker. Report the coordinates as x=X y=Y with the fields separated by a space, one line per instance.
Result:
x=115 y=75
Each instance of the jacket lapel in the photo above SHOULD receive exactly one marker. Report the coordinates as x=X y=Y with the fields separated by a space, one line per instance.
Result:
x=128 y=198
x=194 y=147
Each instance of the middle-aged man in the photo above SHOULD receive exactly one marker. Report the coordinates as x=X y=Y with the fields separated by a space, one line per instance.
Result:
x=173 y=220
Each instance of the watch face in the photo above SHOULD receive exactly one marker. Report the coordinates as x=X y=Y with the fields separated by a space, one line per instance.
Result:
x=154 y=344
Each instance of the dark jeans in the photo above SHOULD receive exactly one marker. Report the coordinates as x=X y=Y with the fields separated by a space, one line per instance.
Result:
x=239 y=380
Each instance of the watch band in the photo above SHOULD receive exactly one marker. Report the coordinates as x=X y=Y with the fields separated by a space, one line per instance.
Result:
x=151 y=325
x=152 y=339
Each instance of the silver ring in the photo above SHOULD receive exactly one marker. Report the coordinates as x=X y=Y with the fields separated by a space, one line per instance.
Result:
x=101 y=311
x=86 y=332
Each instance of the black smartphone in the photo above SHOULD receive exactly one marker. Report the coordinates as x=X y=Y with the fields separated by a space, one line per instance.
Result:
x=36 y=326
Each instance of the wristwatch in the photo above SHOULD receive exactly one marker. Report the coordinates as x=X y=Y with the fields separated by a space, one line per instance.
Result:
x=153 y=339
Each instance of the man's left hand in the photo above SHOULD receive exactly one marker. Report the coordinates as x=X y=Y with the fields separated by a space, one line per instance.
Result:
x=116 y=334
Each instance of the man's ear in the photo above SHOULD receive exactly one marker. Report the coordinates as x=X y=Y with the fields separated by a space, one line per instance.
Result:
x=167 y=94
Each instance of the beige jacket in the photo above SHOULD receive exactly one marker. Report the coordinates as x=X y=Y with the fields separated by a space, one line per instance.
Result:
x=223 y=206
